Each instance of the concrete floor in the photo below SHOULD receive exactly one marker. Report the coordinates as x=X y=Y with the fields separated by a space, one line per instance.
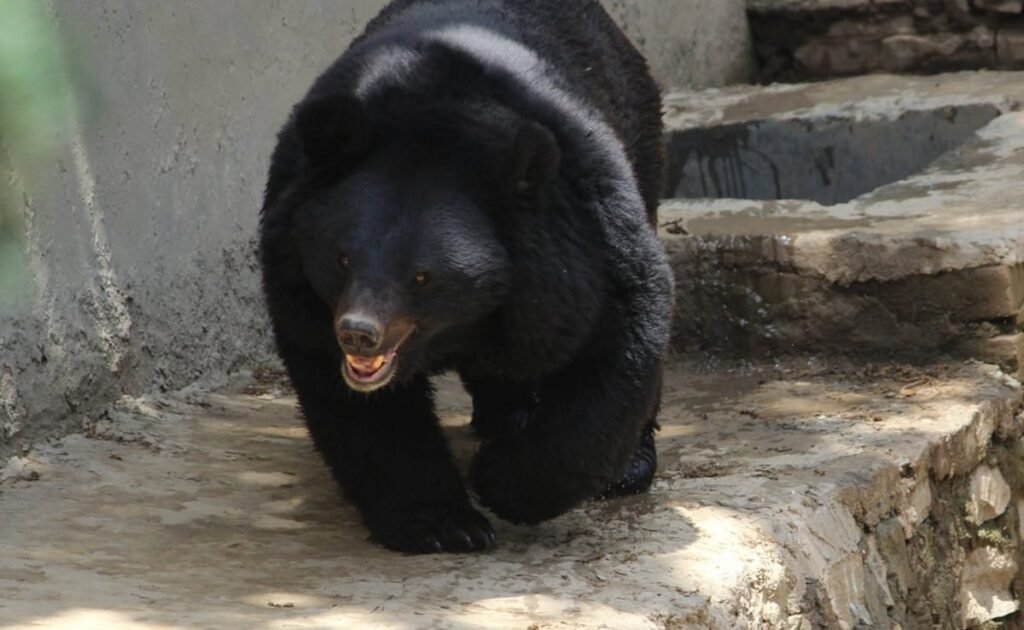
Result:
x=211 y=510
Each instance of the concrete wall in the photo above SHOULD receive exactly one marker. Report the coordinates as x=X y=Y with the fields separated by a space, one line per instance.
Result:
x=689 y=43
x=140 y=231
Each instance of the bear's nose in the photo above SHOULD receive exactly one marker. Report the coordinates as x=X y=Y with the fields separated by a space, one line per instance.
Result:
x=359 y=334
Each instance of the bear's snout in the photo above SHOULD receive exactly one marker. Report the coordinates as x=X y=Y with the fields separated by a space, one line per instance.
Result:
x=360 y=334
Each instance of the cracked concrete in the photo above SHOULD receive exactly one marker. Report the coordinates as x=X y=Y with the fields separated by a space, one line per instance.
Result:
x=788 y=496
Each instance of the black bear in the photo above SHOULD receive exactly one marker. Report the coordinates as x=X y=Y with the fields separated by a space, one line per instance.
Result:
x=472 y=186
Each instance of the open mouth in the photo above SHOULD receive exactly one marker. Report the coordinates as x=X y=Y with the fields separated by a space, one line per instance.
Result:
x=368 y=373
x=365 y=374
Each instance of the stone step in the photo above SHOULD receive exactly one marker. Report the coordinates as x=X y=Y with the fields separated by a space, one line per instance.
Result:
x=906 y=241
x=800 y=495
x=799 y=40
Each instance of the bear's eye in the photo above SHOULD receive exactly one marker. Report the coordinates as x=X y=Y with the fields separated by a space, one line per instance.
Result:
x=343 y=261
x=421 y=279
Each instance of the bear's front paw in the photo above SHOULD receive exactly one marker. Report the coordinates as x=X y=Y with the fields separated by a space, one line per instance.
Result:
x=520 y=488
x=433 y=529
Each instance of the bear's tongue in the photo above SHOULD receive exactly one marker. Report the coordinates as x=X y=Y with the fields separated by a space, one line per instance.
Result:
x=366 y=366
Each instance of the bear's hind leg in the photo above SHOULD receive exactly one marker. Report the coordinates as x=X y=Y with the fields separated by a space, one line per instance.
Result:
x=584 y=433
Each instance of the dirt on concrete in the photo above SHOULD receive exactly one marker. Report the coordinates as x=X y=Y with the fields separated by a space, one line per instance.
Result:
x=787 y=495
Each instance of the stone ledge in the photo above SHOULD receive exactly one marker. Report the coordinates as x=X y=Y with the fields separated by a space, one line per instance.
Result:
x=879 y=96
x=798 y=496
x=930 y=264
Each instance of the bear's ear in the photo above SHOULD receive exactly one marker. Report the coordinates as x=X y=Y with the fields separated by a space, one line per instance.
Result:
x=332 y=127
x=535 y=157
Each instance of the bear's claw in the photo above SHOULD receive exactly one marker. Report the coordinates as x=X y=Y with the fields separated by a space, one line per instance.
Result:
x=436 y=529
x=640 y=473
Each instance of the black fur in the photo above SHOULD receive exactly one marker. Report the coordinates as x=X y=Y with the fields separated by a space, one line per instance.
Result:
x=481 y=178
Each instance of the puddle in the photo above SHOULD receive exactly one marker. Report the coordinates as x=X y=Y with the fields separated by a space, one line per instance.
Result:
x=829 y=160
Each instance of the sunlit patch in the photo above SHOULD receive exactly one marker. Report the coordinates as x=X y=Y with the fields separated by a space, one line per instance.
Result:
x=274 y=523
x=86 y=619
x=266 y=479
x=284 y=506
x=563 y=610
x=726 y=543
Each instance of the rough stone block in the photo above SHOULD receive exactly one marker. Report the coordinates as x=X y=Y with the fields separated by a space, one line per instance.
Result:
x=803 y=39
x=878 y=598
x=985 y=593
x=892 y=546
x=838 y=57
x=968 y=295
x=917 y=507
x=1010 y=46
x=990 y=495
x=1006 y=351
x=845 y=588
x=905 y=51
x=899 y=25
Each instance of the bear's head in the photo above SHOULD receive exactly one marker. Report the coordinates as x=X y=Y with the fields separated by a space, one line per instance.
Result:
x=399 y=229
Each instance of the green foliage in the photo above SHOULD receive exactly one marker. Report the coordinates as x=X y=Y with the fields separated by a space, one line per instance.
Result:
x=32 y=78
x=34 y=102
